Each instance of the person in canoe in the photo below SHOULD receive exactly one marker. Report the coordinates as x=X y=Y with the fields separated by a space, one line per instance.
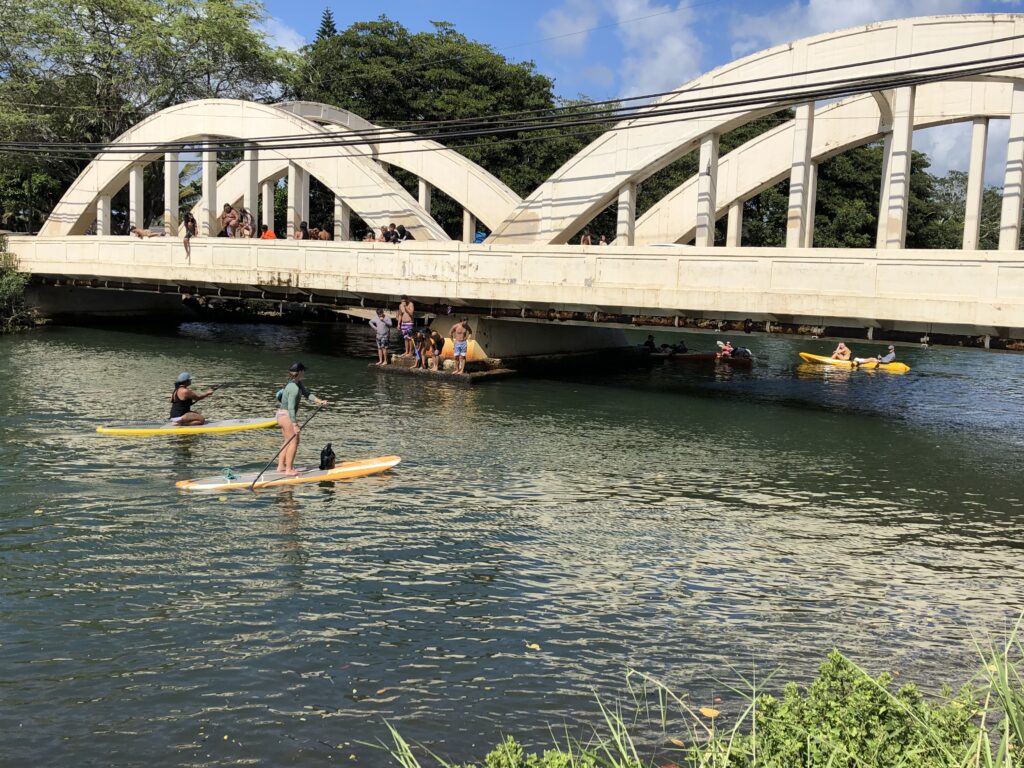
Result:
x=841 y=352
x=888 y=357
x=725 y=349
x=183 y=398
x=290 y=397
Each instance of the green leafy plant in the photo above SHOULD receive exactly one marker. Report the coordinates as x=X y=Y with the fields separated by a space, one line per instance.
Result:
x=14 y=313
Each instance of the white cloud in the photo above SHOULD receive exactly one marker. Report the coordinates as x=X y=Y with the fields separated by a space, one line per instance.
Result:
x=568 y=26
x=750 y=32
x=281 y=35
x=661 y=49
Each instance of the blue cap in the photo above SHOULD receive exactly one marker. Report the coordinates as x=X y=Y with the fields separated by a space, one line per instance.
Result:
x=183 y=378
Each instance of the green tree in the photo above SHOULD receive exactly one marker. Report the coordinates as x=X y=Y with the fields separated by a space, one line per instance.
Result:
x=87 y=70
x=327 y=26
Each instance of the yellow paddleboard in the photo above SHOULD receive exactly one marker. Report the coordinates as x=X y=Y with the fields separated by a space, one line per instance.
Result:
x=343 y=471
x=869 y=365
x=212 y=427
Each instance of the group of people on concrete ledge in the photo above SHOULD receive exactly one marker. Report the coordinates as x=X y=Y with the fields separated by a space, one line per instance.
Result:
x=586 y=239
x=426 y=346
x=389 y=234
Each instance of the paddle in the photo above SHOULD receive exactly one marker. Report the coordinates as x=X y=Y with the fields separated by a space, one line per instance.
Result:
x=287 y=442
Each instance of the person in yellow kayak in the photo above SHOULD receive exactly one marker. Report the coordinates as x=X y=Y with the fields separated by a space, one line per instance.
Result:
x=183 y=398
x=842 y=352
x=290 y=397
x=888 y=357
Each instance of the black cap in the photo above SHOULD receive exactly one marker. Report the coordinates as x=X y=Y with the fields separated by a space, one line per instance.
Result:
x=296 y=367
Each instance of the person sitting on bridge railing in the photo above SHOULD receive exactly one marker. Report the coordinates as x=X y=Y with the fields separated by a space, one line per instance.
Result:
x=383 y=236
x=245 y=226
x=191 y=230
x=302 y=233
x=266 y=233
x=403 y=234
x=228 y=220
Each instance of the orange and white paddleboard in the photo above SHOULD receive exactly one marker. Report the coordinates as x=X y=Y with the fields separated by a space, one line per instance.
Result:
x=343 y=471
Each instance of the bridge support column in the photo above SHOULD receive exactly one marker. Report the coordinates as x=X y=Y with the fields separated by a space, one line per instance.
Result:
x=897 y=181
x=734 y=232
x=103 y=215
x=268 y=204
x=304 y=197
x=626 y=214
x=250 y=199
x=1013 y=183
x=707 y=187
x=975 y=184
x=800 y=177
x=208 y=212
x=425 y=194
x=294 y=198
x=883 y=191
x=342 y=220
x=812 y=204
x=136 y=213
x=468 y=226
x=172 y=191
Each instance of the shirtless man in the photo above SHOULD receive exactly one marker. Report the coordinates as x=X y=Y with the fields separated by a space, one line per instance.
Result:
x=842 y=352
x=460 y=337
x=228 y=220
x=405 y=323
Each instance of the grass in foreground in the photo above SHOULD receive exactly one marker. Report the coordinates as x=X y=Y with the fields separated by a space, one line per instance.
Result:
x=844 y=719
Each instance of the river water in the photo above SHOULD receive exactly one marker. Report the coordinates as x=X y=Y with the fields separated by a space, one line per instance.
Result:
x=681 y=521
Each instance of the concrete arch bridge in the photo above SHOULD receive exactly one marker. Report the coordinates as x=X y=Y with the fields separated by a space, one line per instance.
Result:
x=526 y=268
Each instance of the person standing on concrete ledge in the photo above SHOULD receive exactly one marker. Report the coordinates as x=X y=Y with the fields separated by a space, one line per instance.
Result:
x=460 y=337
x=382 y=327
x=406 y=321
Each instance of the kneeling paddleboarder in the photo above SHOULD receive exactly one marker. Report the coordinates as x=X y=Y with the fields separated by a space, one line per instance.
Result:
x=182 y=400
x=290 y=397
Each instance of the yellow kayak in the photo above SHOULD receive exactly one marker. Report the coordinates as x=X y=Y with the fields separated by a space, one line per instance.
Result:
x=894 y=367
x=212 y=427
x=343 y=471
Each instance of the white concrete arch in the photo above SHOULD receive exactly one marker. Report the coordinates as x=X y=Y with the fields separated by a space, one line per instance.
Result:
x=376 y=197
x=613 y=163
x=765 y=160
x=476 y=190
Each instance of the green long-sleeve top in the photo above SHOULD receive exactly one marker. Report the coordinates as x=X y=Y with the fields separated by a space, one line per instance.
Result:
x=292 y=395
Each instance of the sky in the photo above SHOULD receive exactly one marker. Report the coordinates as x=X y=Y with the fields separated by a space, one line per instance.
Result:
x=613 y=48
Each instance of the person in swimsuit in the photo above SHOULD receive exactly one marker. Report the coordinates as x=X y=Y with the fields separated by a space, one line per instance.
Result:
x=182 y=400
x=290 y=397
x=382 y=329
x=436 y=348
x=406 y=320
x=460 y=338
x=191 y=230
x=842 y=352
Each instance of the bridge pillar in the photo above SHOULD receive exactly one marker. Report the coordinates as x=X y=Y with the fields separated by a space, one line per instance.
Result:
x=812 y=204
x=975 y=184
x=425 y=195
x=172 y=191
x=342 y=220
x=103 y=215
x=294 y=200
x=1009 y=223
x=734 y=232
x=707 y=186
x=626 y=214
x=304 y=197
x=897 y=184
x=468 y=226
x=136 y=213
x=208 y=212
x=250 y=199
x=883 y=191
x=268 y=204
x=800 y=176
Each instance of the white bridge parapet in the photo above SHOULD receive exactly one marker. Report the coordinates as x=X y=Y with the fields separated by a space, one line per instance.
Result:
x=971 y=292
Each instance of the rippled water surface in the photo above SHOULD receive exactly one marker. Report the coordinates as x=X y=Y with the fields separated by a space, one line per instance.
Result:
x=673 y=520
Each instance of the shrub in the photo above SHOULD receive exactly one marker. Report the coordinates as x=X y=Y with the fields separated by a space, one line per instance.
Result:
x=14 y=313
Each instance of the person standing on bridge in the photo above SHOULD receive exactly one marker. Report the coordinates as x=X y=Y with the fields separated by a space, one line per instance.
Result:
x=406 y=322
x=460 y=338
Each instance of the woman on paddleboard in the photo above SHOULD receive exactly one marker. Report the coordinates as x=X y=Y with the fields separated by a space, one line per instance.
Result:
x=290 y=398
x=182 y=400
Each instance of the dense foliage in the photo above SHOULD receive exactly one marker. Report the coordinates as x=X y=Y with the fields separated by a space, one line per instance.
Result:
x=14 y=314
x=844 y=719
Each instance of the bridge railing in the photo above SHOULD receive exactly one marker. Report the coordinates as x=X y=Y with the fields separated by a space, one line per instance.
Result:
x=978 y=290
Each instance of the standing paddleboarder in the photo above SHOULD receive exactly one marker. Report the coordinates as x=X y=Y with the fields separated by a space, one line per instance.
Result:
x=290 y=397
